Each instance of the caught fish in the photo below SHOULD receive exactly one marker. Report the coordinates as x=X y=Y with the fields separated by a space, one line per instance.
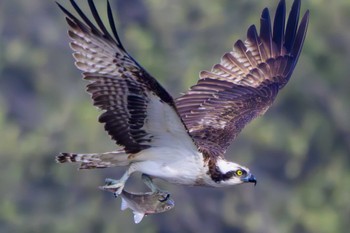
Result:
x=146 y=203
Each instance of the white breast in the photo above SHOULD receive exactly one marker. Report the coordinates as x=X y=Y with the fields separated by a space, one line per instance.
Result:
x=174 y=165
x=173 y=156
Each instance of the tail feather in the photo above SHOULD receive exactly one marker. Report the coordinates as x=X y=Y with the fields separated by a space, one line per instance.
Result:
x=66 y=158
x=90 y=161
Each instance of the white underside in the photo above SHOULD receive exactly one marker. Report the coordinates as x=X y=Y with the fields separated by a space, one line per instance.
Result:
x=174 y=165
x=173 y=156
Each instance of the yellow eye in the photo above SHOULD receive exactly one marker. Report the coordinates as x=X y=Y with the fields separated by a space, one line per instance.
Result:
x=239 y=172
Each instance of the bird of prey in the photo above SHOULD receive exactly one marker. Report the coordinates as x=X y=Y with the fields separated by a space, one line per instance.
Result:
x=182 y=140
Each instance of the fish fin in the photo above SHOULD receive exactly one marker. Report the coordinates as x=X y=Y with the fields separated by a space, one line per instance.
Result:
x=138 y=217
x=124 y=205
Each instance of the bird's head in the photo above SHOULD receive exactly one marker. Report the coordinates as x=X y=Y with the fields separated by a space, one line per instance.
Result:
x=233 y=173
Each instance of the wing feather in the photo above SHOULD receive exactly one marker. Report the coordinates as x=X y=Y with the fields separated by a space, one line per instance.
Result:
x=245 y=83
x=292 y=25
x=137 y=110
x=265 y=32
x=278 y=26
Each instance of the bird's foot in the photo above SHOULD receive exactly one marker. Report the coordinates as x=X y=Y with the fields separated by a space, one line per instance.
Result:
x=149 y=182
x=114 y=186
x=109 y=181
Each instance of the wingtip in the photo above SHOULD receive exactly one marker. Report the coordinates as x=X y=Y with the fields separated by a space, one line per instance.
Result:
x=295 y=7
x=292 y=25
x=300 y=36
x=265 y=13
x=108 y=4
x=307 y=14
x=251 y=29
x=92 y=6
x=279 y=25
x=265 y=20
x=297 y=3
x=61 y=7
x=305 y=19
x=266 y=31
x=281 y=5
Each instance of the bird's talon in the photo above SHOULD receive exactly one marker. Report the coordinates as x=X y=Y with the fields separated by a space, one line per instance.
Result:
x=114 y=186
x=109 y=181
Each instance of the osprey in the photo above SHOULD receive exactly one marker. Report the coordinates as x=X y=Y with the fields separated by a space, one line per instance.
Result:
x=182 y=140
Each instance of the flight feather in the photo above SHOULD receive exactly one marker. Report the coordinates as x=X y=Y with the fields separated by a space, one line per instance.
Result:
x=130 y=98
x=246 y=81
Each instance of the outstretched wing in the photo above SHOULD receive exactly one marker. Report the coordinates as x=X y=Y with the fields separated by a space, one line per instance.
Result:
x=245 y=83
x=138 y=111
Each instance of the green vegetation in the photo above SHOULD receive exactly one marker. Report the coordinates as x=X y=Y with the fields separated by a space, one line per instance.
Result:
x=299 y=150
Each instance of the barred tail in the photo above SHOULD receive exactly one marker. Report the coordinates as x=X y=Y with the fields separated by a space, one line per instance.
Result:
x=67 y=158
x=89 y=161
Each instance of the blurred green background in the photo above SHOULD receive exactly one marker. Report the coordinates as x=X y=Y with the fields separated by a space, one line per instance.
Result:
x=299 y=150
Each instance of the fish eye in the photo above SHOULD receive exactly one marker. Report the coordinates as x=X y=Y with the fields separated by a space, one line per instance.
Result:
x=240 y=172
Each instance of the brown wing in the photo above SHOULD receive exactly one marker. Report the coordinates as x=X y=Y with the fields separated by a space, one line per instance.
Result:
x=135 y=105
x=245 y=83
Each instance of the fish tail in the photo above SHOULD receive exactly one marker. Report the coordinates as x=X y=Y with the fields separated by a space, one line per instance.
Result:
x=138 y=217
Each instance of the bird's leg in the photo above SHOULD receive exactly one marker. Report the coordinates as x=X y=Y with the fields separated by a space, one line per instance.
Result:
x=149 y=182
x=117 y=186
x=109 y=181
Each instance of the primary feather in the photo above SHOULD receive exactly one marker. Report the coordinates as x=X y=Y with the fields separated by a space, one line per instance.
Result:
x=245 y=83
x=119 y=86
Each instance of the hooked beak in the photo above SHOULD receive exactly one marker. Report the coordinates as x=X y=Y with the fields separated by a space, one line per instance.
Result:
x=250 y=179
